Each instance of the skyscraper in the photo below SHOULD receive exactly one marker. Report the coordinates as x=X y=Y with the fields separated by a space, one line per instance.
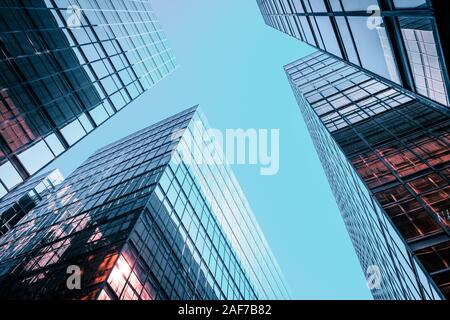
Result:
x=147 y=217
x=403 y=41
x=17 y=203
x=386 y=155
x=65 y=68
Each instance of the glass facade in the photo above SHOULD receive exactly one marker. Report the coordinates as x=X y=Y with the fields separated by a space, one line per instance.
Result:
x=387 y=157
x=66 y=66
x=401 y=41
x=143 y=221
x=17 y=203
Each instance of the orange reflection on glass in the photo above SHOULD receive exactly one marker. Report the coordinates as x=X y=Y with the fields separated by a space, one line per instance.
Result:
x=372 y=170
x=434 y=151
x=103 y=296
x=410 y=209
x=104 y=268
x=119 y=275
x=49 y=255
x=40 y=276
x=439 y=202
x=412 y=220
x=427 y=183
x=436 y=261
x=13 y=126
x=90 y=295
x=145 y=295
x=97 y=235
x=124 y=280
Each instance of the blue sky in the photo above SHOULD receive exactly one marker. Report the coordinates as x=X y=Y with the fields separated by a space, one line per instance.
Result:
x=231 y=64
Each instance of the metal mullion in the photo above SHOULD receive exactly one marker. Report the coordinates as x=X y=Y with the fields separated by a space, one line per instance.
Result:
x=413 y=261
x=62 y=73
x=342 y=67
x=389 y=167
x=108 y=58
x=396 y=109
x=12 y=158
x=14 y=115
x=371 y=198
x=360 y=13
x=395 y=38
x=382 y=228
x=157 y=69
x=318 y=34
x=309 y=23
x=4 y=186
x=441 y=33
x=42 y=108
x=397 y=139
x=392 y=172
x=394 y=85
x=352 y=102
x=336 y=31
x=350 y=32
x=35 y=99
x=297 y=23
x=372 y=193
x=424 y=129
x=391 y=251
x=88 y=64
x=289 y=23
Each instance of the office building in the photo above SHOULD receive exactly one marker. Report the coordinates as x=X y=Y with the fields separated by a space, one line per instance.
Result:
x=386 y=155
x=17 y=203
x=403 y=41
x=65 y=68
x=147 y=217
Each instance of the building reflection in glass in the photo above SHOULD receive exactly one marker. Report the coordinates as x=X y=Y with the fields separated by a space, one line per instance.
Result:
x=58 y=82
x=399 y=41
x=16 y=204
x=397 y=147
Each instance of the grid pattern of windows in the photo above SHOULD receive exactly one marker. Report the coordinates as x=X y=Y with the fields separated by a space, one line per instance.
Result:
x=66 y=67
x=375 y=240
x=397 y=145
x=341 y=94
x=397 y=40
x=224 y=201
x=142 y=223
x=422 y=52
x=19 y=202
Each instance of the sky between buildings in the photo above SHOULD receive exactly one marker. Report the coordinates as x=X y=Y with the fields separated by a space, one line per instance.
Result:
x=231 y=64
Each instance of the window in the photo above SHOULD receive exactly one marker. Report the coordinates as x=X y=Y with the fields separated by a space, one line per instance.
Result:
x=374 y=48
x=36 y=157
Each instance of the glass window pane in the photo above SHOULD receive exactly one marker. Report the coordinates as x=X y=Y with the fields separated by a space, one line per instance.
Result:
x=85 y=123
x=36 y=157
x=400 y=4
x=328 y=36
x=423 y=58
x=3 y=191
x=374 y=48
x=54 y=144
x=360 y=5
x=99 y=114
x=347 y=40
x=73 y=132
x=9 y=176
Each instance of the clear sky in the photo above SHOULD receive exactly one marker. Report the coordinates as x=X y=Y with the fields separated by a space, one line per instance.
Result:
x=231 y=64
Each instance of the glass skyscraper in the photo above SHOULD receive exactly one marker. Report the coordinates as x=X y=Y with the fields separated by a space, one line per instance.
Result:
x=387 y=157
x=403 y=41
x=17 y=203
x=65 y=68
x=148 y=217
